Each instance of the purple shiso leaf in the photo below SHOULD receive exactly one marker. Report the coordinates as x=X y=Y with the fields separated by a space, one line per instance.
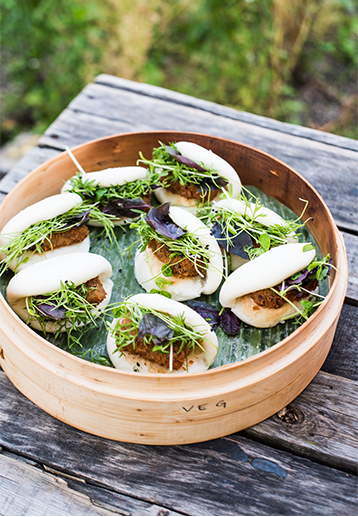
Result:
x=160 y=220
x=301 y=278
x=182 y=159
x=238 y=243
x=213 y=183
x=78 y=220
x=152 y=325
x=50 y=311
x=208 y=312
x=123 y=207
x=230 y=323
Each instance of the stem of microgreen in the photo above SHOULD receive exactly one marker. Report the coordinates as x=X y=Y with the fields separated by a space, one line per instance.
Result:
x=187 y=245
x=34 y=236
x=177 y=171
x=233 y=223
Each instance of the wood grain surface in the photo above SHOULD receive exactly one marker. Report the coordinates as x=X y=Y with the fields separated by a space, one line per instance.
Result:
x=299 y=462
x=221 y=477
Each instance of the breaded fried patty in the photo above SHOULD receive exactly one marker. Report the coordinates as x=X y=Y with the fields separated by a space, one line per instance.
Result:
x=96 y=293
x=191 y=191
x=270 y=300
x=71 y=236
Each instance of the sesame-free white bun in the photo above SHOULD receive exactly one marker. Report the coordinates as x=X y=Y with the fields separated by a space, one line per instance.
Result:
x=114 y=176
x=46 y=277
x=267 y=270
x=43 y=210
x=209 y=160
x=199 y=361
x=261 y=215
x=148 y=267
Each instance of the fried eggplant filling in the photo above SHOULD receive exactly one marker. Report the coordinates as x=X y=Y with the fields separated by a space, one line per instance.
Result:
x=191 y=191
x=268 y=299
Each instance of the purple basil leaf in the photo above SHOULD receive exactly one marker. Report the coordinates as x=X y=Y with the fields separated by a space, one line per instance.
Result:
x=208 y=312
x=160 y=220
x=154 y=187
x=152 y=325
x=304 y=274
x=182 y=159
x=55 y=313
x=123 y=207
x=230 y=323
x=238 y=243
x=78 y=220
x=213 y=183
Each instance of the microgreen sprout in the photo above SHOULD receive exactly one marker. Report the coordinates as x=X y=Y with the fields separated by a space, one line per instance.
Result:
x=187 y=245
x=71 y=301
x=172 y=171
x=31 y=239
x=92 y=193
x=233 y=230
x=317 y=270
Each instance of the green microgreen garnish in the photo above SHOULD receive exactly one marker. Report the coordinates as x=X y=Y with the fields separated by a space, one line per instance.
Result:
x=92 y=193
x=71 y=302
x=171 y=171
x=318 y=270
x=232 y=224
x=126 y=328
x=187 y=245
x=36 y=234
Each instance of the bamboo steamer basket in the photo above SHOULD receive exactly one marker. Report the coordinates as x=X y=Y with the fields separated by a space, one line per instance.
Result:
x=163 y=409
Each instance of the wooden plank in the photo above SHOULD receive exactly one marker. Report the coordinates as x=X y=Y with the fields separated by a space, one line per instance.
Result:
x=35 y=157
x=40 y=493
x=342 y=359
x=351 y=242
x=320 y=424
x=217 y=109
x=221 y=477
x=45 y=493
x=314 y=160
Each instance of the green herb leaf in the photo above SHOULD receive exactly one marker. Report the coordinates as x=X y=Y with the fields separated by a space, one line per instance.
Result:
x=265 y=241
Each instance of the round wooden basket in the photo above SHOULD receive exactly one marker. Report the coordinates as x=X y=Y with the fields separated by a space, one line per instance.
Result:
x=162 y=409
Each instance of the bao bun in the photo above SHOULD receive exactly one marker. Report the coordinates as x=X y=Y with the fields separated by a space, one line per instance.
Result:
x=148 y=267
x=262 y=215
x=267 y=270
x=44 y=278
x=43 y=210
x=199 y=361
x=208 y=160
x=112 y=177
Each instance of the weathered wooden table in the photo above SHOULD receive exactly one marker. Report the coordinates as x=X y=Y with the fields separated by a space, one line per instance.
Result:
x=301 y=461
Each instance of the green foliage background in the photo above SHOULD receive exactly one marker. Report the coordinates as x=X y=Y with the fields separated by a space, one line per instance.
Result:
x=253 y=55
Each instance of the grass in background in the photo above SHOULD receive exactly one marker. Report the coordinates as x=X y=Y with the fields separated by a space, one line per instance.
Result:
x=292 y=61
